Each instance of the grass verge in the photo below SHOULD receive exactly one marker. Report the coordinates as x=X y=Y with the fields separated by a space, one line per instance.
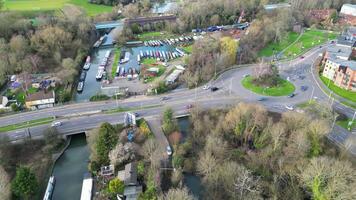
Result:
x=188 y=49
x=127 y=109
x=345 y=124
x=27 y=124
x=284 y=87
x=156 y=35
x=339 y=91
x=116 y=62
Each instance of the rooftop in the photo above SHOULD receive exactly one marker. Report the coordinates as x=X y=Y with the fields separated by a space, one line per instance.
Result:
x=41 y=95
x=338 y=52
x=130 y=174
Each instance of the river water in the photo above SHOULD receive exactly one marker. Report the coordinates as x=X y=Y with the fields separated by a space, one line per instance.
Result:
x=70 y=169
x=192 y=181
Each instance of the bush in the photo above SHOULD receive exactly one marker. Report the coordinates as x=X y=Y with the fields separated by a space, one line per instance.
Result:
x=25 y=184
x=99 y=97
x=15 y=107
x=116 y=186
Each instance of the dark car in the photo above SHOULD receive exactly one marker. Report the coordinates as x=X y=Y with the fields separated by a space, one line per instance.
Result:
x=262 y=99
x=291 y=95
x=303 y=88
x=189 y=106
x=213 y=89
x=164 y=98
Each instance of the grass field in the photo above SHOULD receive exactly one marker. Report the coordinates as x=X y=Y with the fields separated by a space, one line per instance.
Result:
x=339 y=91
x=27 y=124
x=284 y=88
x=45 y=5
x=308 y=40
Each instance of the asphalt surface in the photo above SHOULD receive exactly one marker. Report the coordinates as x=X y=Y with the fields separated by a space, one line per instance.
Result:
x=80 y=117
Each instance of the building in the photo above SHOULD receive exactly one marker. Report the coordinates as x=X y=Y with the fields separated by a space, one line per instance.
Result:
x=348 y=37
x=348 y=9
x=40 y=100
x=129 y=177
x=321 y=14
x=337 y=61
x=3 y=102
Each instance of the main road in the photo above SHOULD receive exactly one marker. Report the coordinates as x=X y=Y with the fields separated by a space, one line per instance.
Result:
x=85 y=116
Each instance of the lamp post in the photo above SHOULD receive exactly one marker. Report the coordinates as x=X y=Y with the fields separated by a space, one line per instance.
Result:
x=312 y=94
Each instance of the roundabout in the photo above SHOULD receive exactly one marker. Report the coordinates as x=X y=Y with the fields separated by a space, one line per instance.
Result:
x=283 y=87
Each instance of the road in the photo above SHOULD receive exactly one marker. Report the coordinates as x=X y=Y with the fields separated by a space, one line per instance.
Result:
x=76 y=117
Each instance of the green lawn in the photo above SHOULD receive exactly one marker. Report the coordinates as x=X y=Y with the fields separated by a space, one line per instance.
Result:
x=344 y=123
x=27 y=124
x=116 y=62
x=284 y=88
x=45 y=5
x=157 y=35
x=188 y=48
x=339 y=91
x=308 y=40
x=151 y=62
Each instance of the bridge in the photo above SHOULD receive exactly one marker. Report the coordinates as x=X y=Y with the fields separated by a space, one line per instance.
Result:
x=108 y=25
x=146 y=20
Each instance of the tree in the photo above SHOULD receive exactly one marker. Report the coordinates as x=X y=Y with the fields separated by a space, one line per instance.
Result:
x=328 y=178
x=169 y=124
x=177 y=194
x=25 y=184
x=107 y=140
x=116 y=186
x=229 y=48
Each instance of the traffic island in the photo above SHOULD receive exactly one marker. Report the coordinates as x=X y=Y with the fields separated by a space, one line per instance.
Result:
x=283 y=87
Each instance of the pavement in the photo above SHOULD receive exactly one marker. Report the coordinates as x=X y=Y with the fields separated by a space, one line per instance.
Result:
x=75 y=119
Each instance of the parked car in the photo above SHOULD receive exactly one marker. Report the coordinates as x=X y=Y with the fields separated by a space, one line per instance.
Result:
x=291 y=95
x=246 y=75
x=262 y=99
x=189 y=106
x=56 y=124
x=136 y=114
x=289 y=107
x=169 y=150
x=213 y=89
x=303 y=88
x=301 y=57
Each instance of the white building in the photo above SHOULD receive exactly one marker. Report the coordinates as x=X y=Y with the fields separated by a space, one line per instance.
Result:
x=348 y=9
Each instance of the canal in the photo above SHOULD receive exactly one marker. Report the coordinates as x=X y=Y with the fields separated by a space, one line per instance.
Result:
x=191 y=181
x=70 y=169
x=91 y=85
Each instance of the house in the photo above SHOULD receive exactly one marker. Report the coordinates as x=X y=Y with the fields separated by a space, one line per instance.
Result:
x=129 y=177
x=107 y=171
x=40 y=100
x=345 y=76
x=348 y=9
x=3 y=102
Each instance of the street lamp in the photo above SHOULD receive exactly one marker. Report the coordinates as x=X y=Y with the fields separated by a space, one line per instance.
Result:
x=349 y=125
x=312 y=94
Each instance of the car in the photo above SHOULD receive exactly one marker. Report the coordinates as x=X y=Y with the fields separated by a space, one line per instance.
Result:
x=56 y=124
x=189 y=106
x=206 y=87
x=136 y=114
x=303 y=88
x=213 y=89
x=289 y=107
x=164 y=98
x=169 y=150
x=301 y=77
x=246 y=75
x=302 y=57
x=291 y=95
x=262 y=99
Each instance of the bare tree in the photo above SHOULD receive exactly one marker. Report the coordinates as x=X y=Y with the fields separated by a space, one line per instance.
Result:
x=177 y=194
